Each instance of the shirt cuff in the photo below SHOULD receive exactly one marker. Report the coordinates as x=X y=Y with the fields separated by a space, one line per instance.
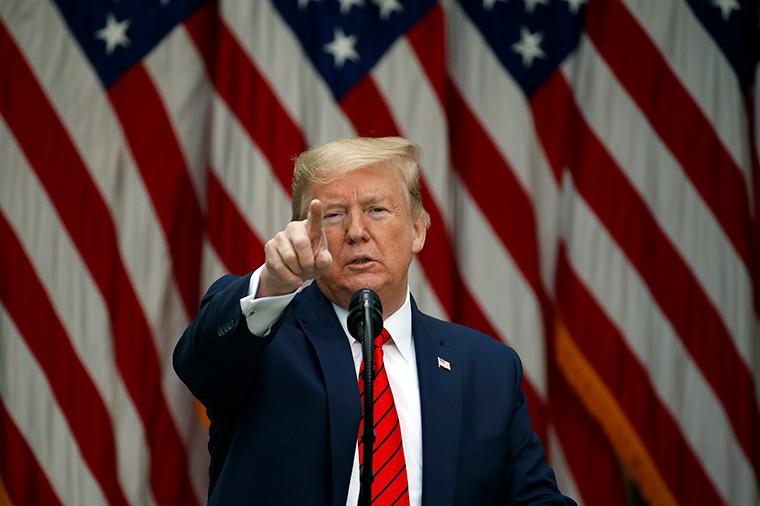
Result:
x=260 y=314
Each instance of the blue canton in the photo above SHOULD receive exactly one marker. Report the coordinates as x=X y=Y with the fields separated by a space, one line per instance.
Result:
x=317 y=24
x=142 y=25
x=505 y=24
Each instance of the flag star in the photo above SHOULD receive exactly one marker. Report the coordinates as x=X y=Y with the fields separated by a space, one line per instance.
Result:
x=575 y=5
x=302 y=4
x=529 y=46
x=530 y=5
x=114 y=33
x=345 y=5
x=726 y=7
x=342 y=48
x=488 y=4
x=388 y=7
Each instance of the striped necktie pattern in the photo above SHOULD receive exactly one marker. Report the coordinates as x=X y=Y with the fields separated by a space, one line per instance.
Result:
x=390 y=485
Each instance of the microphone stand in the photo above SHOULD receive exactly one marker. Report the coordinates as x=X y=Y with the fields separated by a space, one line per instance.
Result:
x=365 y=322
x=368 y=434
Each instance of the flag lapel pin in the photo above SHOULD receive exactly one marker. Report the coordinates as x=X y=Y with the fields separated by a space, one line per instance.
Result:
x=444 y=364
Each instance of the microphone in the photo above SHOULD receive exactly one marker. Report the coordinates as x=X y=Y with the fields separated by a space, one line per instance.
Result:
x=365 y=322
x=365 y=315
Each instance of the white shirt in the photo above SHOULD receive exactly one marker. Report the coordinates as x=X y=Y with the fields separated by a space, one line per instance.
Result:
x=400 y=363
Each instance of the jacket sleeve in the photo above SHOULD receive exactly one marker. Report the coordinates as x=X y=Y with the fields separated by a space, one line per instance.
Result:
x=532 y=481
x=217 y=354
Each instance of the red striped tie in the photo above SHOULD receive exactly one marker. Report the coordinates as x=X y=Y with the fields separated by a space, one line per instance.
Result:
x=390 y=485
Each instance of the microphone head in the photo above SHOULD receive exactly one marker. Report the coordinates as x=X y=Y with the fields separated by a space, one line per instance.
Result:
x=361 y=301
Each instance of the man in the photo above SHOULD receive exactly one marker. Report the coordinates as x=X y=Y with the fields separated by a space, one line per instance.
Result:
x=270 y=357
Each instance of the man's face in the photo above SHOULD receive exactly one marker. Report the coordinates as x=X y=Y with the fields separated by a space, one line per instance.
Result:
x=370 y=234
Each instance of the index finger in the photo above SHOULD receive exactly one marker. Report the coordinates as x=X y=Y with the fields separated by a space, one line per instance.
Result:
x=314 y=220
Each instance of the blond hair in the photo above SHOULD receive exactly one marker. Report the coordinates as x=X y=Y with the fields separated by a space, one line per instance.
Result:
x=331 y=160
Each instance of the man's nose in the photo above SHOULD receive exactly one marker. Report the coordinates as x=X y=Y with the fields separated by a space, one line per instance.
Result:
x=357 y=227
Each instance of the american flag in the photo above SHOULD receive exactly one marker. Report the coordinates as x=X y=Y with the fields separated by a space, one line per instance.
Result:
x=591 y=169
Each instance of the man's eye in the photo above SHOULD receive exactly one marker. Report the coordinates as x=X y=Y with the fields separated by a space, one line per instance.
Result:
x=332 y=217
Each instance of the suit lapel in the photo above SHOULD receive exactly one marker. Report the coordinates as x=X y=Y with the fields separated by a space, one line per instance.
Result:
x=317 y=318
x=441 y=404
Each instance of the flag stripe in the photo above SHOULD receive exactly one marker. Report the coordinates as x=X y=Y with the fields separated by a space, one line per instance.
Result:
x=180 y=78
x=37 y=427
x=23 y=478
x=665 y=443
x=478 y=164
x=84 y=317
x=661 y=97
x=96 y=241
x=233 y=239
x=724 y=109
x=677 y=380
x=700 y=241
x=82 y=406
x=246 y=92
x=500 y=106
x=72 y=87
x=149 y=133
x=264 y=214
x=594 y=466
x=599 y=181
x=602 y=404
x=282 y=62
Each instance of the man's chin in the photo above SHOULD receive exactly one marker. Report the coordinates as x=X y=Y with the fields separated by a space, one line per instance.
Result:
x=341 y=293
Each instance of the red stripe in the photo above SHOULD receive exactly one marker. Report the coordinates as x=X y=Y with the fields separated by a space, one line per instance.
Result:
x=86 y=218
x=236 y=244
x=489 y=179
x=669 y=106
x=467 y=139
x=246 y=92
x=24 y=297
x=604 y=347
x=629 y=221
x=428 y=40
x=492 y=183
x=755 y=231
x=24 y=479
x=366 y=109
x=590 y=457
x=150 y=135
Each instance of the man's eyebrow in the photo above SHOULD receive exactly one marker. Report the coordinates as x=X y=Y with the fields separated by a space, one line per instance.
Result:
x=373 y=198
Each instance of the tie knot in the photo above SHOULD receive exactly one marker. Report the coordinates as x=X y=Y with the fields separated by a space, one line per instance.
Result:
x=383 y=338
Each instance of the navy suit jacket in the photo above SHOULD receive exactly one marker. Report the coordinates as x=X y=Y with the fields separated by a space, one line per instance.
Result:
x=285 y=408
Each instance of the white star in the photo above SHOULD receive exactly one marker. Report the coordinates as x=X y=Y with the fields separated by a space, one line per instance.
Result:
x=726 y=7
x=488 y=4
x=530 y=5
x=345 y=5
x=529 y=46
x=114 y=33
x=574 y=5
x=388 y=7
x=342 y=48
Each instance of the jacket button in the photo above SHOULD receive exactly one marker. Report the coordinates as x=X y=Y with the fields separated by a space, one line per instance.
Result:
x=225 y=328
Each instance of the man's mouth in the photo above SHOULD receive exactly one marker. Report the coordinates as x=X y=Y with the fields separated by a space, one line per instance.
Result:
x=362 y=260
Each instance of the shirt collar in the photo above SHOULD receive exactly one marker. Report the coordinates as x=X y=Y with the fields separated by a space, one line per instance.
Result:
x=398 y=325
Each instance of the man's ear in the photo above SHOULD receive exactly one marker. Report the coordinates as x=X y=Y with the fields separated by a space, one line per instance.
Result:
x=420 y=232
